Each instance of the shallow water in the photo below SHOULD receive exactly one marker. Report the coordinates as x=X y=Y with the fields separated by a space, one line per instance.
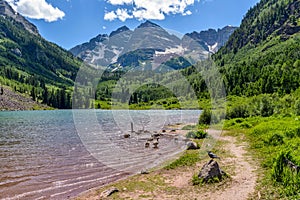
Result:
x=59 y=154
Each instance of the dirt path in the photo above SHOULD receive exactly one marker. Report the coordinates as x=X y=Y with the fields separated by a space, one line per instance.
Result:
x=243 y=176
x=244 y=180
x=176 y=184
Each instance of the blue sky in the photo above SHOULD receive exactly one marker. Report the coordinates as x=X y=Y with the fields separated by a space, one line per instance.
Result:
x=72 y=22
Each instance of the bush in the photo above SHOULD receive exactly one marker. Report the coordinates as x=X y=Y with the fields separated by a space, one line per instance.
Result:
x=297 y=107
x=205 y=117
x=196 y=135
x=275 y=140
x=238 y=111
x=188 y=127
x=289 y=179
x=292 y=133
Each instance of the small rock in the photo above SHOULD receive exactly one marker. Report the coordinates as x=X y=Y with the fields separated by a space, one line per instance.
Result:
x=147 y=144
x=144 y=172
x=109 y=192
x=156 y=135
x=192 y=145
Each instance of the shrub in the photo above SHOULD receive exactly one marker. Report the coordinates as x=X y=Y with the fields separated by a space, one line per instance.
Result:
x=205 y=117
x=292 y=133
x=189 y=127
x=289 y=179
x=266 y=106
x=297 y=107
x=197 y=135
x=238 y=111
x=275 y=140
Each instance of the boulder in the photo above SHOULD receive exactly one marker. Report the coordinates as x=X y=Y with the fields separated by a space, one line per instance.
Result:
x=192 y=145
x=210 y=171
x=109 y=192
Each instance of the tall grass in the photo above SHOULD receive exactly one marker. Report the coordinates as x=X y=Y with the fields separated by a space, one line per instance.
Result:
x=273 y=141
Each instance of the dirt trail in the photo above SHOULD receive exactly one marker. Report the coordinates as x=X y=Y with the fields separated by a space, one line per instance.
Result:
x=244 y=180
x=243 y=176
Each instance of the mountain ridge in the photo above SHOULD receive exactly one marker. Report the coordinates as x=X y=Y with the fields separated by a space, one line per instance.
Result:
x=148 y=35
x=7 y=11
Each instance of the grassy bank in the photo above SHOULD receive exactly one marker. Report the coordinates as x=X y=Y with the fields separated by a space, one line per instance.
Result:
x=273 y=140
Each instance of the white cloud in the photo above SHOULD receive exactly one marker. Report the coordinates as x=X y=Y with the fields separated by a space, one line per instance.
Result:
x=148 y=9
x=110 y=16
x=37 y=9
x=120 y=2
x=121 y=14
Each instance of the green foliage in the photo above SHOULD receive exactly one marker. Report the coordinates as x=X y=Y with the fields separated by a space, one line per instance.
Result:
x=275 y=139
x=205 y=117
x=200 y=134
x=196 y=180
x=297 y=107
x=262 y=56
x=284 y=175
x=189 y=127
x=34 y=66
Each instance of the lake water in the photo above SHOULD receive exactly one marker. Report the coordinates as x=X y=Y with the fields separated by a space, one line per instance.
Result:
x=59 y=154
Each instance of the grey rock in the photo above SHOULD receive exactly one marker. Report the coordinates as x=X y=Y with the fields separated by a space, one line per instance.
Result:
x=210 y=171
x=192 y=145
x=109 y=192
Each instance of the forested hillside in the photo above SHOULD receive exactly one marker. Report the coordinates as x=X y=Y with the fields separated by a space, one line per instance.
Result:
x=34 y=66
x=263 y=55
x=261 y=70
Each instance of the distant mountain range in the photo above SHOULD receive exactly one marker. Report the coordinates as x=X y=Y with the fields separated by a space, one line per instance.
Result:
x=149 y=42
x=212 y=40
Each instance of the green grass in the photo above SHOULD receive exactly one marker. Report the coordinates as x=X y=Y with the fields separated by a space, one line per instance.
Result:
x=188 y=158
x=272 y=140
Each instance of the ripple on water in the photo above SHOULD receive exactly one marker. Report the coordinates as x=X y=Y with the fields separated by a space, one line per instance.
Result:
x=43 y=156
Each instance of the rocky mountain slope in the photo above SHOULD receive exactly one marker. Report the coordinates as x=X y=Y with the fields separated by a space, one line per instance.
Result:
x=212 y=40
x=148 y=43
x=7 y=11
